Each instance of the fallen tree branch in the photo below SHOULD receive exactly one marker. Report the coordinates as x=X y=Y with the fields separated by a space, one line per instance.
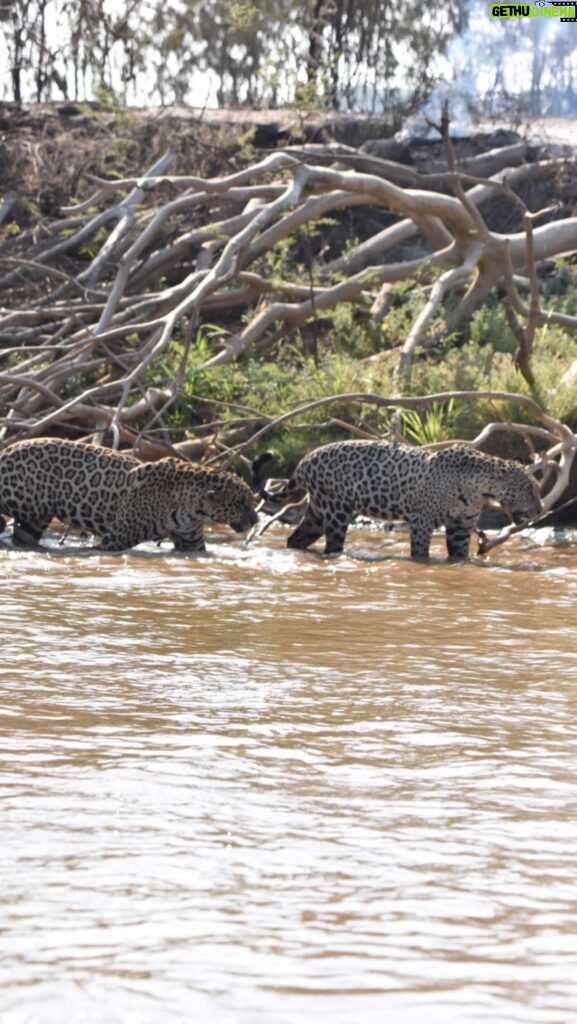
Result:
x=558 y=430
x=169 y=251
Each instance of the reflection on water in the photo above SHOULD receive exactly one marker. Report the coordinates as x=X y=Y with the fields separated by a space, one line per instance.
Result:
x=264 y=787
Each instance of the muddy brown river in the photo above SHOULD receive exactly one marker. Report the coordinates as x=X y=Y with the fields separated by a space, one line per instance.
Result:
x=262 y=787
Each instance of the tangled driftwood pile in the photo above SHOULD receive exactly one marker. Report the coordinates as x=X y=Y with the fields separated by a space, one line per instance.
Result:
x=94 y=293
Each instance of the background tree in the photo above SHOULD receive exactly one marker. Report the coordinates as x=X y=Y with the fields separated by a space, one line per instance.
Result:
x=379 y=56
x=339 y=53
x=359 y=52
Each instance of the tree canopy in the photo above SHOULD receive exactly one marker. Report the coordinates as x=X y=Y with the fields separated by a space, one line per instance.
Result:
x=362 y=55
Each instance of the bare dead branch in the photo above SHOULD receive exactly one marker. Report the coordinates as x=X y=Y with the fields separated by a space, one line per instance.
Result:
x=169 y=252
x=559 y=430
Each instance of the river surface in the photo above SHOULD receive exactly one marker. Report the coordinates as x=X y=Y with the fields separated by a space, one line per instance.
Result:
x=263 y=787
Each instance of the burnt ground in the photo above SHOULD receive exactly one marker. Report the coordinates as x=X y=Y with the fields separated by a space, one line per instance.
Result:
x=46 y=150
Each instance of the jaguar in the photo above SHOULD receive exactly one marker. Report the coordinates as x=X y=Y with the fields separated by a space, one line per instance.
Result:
x=394 y=481
x=113 y=495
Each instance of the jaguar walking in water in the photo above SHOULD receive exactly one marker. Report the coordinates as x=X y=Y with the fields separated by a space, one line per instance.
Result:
x=427 y=489
x=113 y=495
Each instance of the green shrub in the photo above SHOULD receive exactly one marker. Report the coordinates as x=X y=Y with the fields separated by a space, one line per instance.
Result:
x=350 y=351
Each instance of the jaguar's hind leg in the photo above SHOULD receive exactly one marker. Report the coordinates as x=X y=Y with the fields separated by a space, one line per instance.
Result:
x=337 y=524
x=421 y=531
x=27 y=534
x=309 y=529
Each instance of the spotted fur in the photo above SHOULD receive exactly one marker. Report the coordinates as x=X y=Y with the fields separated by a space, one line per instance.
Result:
x=427 y=489
x=113 y=495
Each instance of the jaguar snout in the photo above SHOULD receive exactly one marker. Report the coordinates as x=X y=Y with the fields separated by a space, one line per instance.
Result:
x=520 y=516
x=245 y=522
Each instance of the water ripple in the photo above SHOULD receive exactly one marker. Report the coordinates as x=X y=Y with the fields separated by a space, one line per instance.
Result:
x=263 y=786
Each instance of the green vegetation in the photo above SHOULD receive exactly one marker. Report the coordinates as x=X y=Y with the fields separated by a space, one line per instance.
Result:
x=116 y=306
x=352 y=353
x=253 y=52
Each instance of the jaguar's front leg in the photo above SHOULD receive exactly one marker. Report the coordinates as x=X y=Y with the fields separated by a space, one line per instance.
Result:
x=458 y=538
x=190 y=540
